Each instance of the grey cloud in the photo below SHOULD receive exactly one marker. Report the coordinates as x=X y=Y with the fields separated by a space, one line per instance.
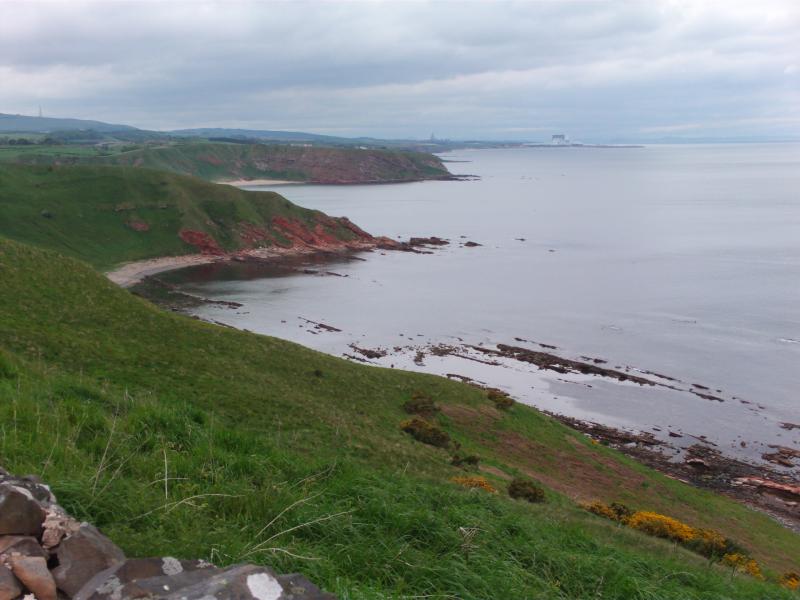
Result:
x=511 y=69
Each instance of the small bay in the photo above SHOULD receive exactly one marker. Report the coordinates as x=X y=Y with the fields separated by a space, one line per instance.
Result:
x=680 y=260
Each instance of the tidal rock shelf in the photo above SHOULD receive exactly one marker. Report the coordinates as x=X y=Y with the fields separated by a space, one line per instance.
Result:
x=45 y=554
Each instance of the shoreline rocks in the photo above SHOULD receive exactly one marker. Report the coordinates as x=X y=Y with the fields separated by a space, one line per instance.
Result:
x=45 y=554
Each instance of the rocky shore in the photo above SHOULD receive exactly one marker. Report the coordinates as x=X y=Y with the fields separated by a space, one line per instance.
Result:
x=678 y=454
x=45 y=554
x=302 y=239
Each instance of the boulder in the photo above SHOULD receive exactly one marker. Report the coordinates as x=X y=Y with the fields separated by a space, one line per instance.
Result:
x=247 y=582
x=39 y=491
x=33 y=574
x=24 y=545
x=35 y=530
x=109 y=582
x=158 y=578
x=20 y=514
x=57 y=524
x=10 y=586
x=83 y=555
x=297 y=587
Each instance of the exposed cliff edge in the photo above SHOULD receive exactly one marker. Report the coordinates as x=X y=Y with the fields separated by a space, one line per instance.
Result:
x=223 y=162
x=113 y=215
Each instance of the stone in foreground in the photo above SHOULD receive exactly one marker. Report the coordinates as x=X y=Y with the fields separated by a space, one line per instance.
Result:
x=83 y=555
x=33 y=573
x=20 y=514
x=10 y=586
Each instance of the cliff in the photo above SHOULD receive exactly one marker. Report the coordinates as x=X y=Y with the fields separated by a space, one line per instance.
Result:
x=230 y=162
x=109 y=215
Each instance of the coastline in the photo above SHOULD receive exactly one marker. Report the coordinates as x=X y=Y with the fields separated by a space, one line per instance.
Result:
x=700 y=465
x=343 y=182
x=131 y=273
x=241 y=182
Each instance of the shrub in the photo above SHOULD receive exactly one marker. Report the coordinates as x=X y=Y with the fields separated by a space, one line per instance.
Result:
x=501 y=400
x=600 y=509
x=475 y=483
x=790 y=580
x=424 y=432
x=420 y=405
x=741 y=562
x=621 y=512
x=712 y=544
x=706 y=542
x=470 y=460
x=525 y=489
x=661 y=526
x=616 y=511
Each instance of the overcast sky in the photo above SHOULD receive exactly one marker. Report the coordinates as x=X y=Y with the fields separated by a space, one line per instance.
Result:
x=598 y=71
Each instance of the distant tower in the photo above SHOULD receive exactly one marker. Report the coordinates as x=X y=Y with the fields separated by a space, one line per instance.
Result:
x=40 y=111
x=433 y=137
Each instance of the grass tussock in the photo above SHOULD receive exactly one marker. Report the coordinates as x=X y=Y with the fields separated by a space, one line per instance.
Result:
x=525 y=489
x=465 y=460
x=421 y=405
x=501 y=400
x=425 y=432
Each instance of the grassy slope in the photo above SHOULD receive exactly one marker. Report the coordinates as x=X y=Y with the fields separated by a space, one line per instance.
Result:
x=225 y=161
x=86 y=209
x=98 y=390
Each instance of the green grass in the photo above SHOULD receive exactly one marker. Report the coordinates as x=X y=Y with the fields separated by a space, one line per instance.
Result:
x=219 y=161
x=281 y=455
x=48 y=154
x=86 y=211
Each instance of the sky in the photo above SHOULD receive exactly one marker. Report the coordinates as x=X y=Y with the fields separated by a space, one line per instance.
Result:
x=594 y=70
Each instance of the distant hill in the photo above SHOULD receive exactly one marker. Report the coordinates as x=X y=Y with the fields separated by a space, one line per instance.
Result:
x=27 y=124
x=107 y=215
x=259 y=134
x=81 y=131
x=229 y=162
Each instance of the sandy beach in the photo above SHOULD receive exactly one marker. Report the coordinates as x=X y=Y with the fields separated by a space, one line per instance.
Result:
x=132 y=273
x=242 y=182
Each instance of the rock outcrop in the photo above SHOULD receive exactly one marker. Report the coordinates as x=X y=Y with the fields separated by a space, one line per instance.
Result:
x=45 y=554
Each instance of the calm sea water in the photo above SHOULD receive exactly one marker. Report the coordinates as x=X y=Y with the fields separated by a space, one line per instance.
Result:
x=683 y=260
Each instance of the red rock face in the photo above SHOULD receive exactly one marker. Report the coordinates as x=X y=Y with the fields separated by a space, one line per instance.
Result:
x=298 y=233
x=138 y=225
x=347 y=223
x=253 y=236
x=202 y=241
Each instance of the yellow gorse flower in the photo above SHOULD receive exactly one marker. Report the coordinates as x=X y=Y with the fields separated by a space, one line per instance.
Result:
x=474 y=483
x=662 y=526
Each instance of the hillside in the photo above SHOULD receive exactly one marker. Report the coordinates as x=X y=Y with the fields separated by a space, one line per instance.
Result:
x=229 y=162
x=177 y=437
x=107 y=215
x=31 y=124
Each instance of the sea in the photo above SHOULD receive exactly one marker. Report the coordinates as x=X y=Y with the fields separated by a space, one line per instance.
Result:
x=676 y=263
